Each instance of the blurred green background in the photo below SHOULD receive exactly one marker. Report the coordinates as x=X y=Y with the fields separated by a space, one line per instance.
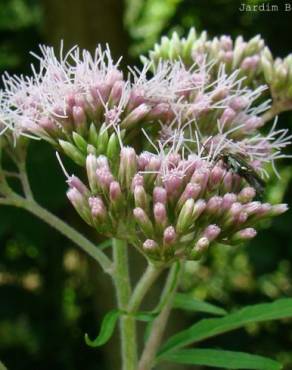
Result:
x=50 y=293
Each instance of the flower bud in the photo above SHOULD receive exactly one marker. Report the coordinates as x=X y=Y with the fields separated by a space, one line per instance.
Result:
x=72 y=152
x=97 y=208
x=75 y=182
x=211 y=232
x=159 y=195
x=140 y=197
x=91 y=167
x=80 y=203
x=169 y=236
x=128 y=166
x=143 y=221
x=160 y=215
x=243 y=235
x=246 y=195
x=135 y=116
x=79 y=118
x=185 y=216
x=150 y=246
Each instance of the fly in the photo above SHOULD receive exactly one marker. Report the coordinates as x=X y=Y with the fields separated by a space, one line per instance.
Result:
x=238 y=164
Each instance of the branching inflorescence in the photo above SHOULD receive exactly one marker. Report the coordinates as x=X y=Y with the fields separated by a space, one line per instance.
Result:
x=152 y=143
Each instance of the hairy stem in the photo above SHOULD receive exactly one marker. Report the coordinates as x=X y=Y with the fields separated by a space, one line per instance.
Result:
x=144 y=284
x=159 y=324
x=122 y=283
x=65 y=229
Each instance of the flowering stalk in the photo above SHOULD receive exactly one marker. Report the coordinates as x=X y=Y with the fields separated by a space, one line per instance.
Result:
x=123 y=290
x=159 y=324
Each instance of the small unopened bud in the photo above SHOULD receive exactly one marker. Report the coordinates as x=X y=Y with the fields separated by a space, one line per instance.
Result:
x=144 y=221
x=91 y=167
x=150 y=246
x=228 y=116
x=243 y=235
x=97 y=208
x=72 y=152
x=169 y=236
x=198 y=209
x=159 y=195
x=140 y=197
x=191 y=191
x=104 y=178
x=200 y=247
x=128 y=166
x=135 y=116
x=138 y=180
x=160 y=215
x=239 y=103
x=115 y=194
x=278 y=209
x=246 y=195
x=214 y=205
x=228 y=200
x=80 y=203
x=79 y=118
x=211 y=232
x=185 y=216
x=75 y=182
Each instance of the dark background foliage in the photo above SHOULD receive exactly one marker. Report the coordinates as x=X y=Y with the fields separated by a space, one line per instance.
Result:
x=50 y=293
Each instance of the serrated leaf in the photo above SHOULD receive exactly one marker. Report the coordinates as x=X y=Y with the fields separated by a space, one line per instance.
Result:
x=207 y=328
x=188 y=303
x=220 y=358
x=107 y=328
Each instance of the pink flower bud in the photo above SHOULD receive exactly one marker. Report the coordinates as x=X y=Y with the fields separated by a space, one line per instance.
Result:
x=104 y=178
x=150 y=245
x=278 y=209
x=228 y=200
x=201 y=246
x=143 y=220
x=160 y=215
x=128 y=166
x=135 y=116
x=140 y=197
x=239 y=103
x=211 y=232
x=79 y=118
x=214 y=205
x=199 y=207
x=243 y=235
x=191 y=191
x=97 y=207
x=91 y=167
x=138 y=180
x=159 y=195
x=246 y=195
x=75 y=182
x=227 y=117
x=169 y=236
x=115 y=192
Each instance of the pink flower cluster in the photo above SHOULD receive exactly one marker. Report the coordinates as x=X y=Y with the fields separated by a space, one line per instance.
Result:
x=168 y=207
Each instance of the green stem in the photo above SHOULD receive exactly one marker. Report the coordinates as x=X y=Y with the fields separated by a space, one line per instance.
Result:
x=159 y=324
x=123 y=290
x=144 y=284
x=62 y=227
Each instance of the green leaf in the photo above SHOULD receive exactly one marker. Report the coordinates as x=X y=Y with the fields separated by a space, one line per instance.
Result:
x=224 y=359
x=2 y=367
x=207 y=328
x=107 y=328
x=186 y=302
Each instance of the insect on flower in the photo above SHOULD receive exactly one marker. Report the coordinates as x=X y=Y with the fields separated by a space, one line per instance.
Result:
x=237 y=163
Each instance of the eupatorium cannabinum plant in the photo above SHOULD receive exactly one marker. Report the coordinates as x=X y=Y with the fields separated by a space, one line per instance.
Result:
x=175 y=157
